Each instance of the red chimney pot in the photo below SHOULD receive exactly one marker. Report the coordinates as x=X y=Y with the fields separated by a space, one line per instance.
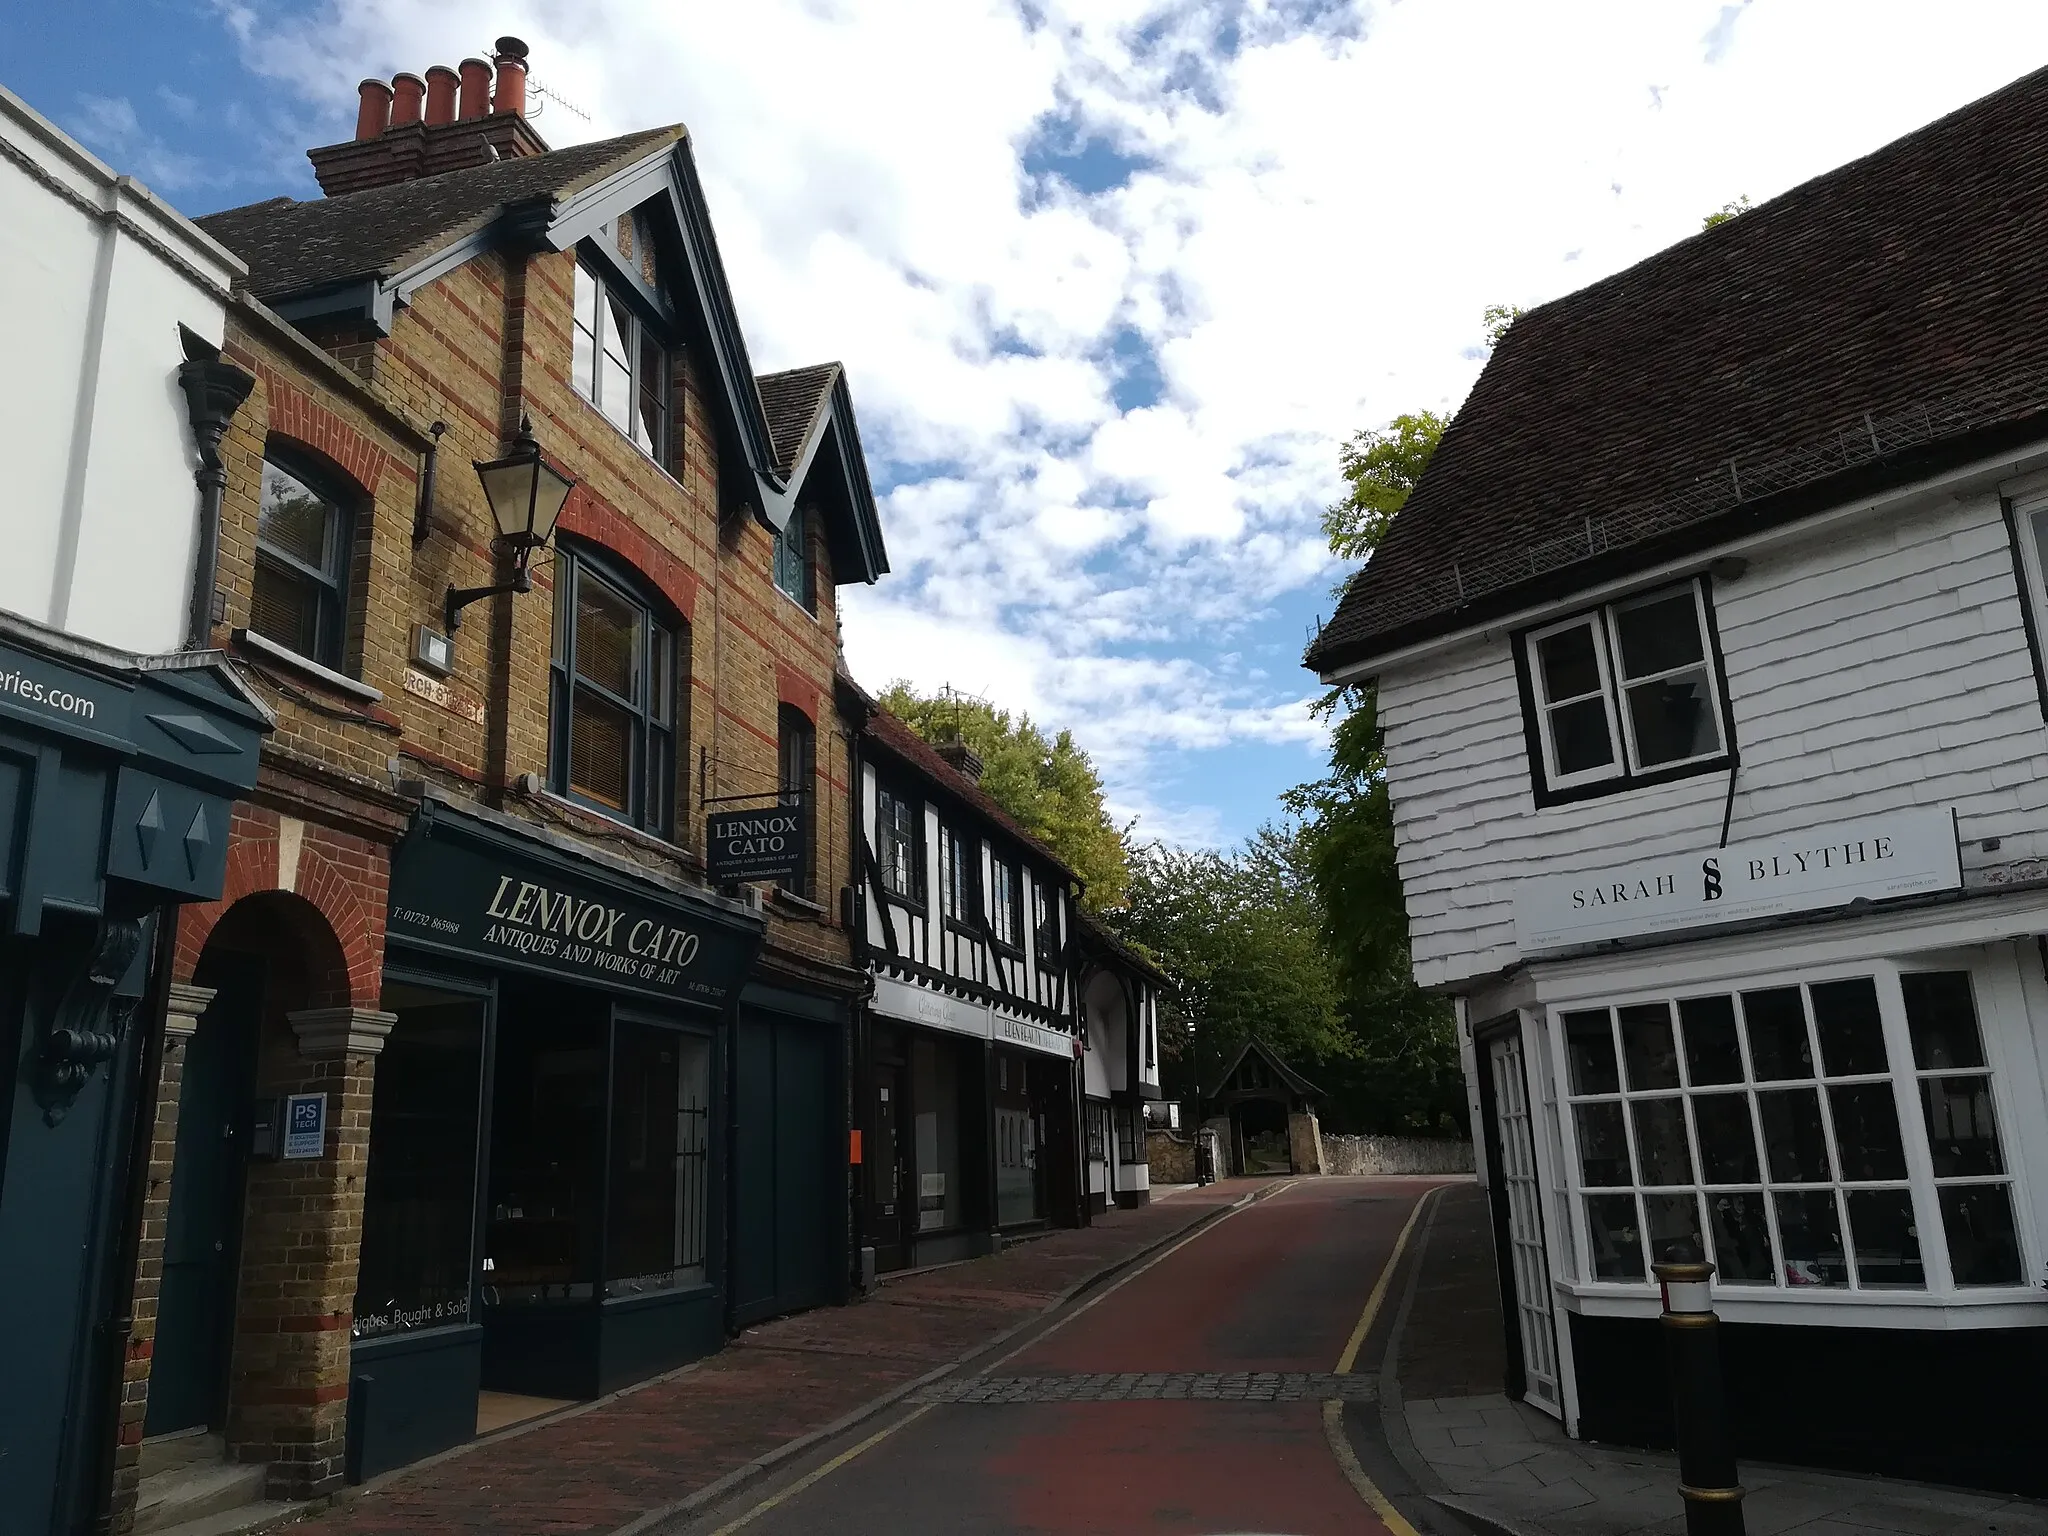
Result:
x=476 y=89
x=511 y=62
x=373 y=112
x=407 y=94
x=440 y=95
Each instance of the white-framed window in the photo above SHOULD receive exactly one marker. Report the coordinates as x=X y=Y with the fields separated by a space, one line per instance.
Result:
x=1834 y=1132
x=1627 y=690
x=619 y=363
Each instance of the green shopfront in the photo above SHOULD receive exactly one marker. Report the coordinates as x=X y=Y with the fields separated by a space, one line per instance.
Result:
x=543 y=1216
x=118 y=778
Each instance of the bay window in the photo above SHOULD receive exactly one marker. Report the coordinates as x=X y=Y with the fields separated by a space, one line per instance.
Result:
x=1625 y=693
x=1826 y=1134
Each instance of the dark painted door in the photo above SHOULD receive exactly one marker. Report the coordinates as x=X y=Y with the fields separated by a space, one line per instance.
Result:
x=788 y=1187
x=885 y=1170
x=203 y=1230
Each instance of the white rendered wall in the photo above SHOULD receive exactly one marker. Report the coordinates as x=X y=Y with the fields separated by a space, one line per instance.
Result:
x=96 y=276
x=1882 y=666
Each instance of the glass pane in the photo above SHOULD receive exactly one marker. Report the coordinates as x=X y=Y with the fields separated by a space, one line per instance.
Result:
x=1942 y=1020
x=1810 y=1228
x=1589 y=1046
x=547 y=1146
x=661 y=1116
x=1674 y=1219
x=615 y=392
x=1742 y=1239
x=1962 y=1131
x=285 y=606
x=1727 y=1138
x=1660 y=635
x=601 y=752
x=1778 y=1047
x=618 y=330
x=1673 y=719
x=1568 y=663
x=294 y=518
x=1603 y=1147
x=1851 y=1034
x=1579 y=733
x=1660 y=1141
x=1617 y=1240
x=1793 y=1138
x=583 y=359
x=419 y=1190
x=608 y=637
x=660 y=691
x=1983 y=1245
x=935 y=1120
x=1867 y=1131
x=1887 y=1241
x=1648 y=1046
x=650 y=424
x=1712 y=1054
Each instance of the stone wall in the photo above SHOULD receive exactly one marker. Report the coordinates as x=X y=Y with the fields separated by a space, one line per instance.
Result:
x=1171 y=1155
x=1394 y=1154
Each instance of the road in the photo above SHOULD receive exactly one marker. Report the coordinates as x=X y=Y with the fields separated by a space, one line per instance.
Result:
x=1186 y=1398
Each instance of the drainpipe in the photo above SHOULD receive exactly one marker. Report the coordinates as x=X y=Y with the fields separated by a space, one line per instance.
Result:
x=214 y=391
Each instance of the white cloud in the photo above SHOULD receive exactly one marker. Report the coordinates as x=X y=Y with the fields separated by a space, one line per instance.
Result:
x=1322 y=208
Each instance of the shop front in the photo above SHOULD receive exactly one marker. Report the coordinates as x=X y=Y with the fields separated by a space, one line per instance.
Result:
x=543 y=1219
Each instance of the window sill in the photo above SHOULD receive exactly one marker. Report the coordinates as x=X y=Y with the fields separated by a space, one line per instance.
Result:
x=1599 y=789
x=797 y=603
x=603 y=825
x=627 y=438
x=910 y=903
x=803 y=904
x=255 y=645
x=1992 y=1307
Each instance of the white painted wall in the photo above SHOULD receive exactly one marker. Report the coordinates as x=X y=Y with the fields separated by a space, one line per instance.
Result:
x=1881 y=666
x=96 y=275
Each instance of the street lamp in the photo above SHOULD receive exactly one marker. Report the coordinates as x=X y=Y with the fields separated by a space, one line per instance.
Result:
x=526 y=495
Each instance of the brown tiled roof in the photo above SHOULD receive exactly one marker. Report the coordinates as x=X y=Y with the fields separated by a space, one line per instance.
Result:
x=901 y=742
x=292 y=247
x=1103 y=940
x=1862 y=329
x=792 y=400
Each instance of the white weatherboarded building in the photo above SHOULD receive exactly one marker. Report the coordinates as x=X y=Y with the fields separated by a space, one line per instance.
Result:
x=1709 y=659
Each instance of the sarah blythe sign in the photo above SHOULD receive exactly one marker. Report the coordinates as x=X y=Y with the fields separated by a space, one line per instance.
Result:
x=1910 y=853
x=498 y=906
x=740 y=846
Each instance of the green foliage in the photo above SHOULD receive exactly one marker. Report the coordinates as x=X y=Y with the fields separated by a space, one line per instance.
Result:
x=1382 y=468
x=1240 y=934
x=1497 y=318
x=1727 y=211
x=1049 y=786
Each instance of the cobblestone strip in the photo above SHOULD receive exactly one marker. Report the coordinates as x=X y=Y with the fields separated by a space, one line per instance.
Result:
x=1157 y=1386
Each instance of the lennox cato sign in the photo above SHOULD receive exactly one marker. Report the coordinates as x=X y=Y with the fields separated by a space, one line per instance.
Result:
x=756 y=845
x=1908 y=853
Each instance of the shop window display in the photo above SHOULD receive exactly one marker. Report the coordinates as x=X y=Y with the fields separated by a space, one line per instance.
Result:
x=935 y=1093
x=661 y=1137
x=547 y=1136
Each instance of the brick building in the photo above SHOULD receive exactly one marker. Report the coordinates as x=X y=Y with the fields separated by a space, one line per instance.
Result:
x=479 y=1095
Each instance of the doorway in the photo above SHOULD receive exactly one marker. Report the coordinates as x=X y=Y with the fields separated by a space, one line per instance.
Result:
x=188 y=1378
x=1517 y=1202
x=886 y=1170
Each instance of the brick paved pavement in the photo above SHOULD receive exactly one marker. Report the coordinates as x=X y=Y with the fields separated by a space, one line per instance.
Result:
x=605 y=1465
x=1155 y=1387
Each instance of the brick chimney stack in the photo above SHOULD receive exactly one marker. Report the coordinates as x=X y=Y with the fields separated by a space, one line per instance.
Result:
x=446 y=121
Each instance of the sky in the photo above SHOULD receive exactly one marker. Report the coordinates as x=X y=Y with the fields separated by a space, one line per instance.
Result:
x=1112 y=279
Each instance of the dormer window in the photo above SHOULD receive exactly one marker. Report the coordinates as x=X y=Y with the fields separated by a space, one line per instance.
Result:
x=620 y=365
x=793 y=560
x=1626 y=694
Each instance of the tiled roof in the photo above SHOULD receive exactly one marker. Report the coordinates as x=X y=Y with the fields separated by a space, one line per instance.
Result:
x=292 y=246
x=1287 y=1075
x=792 y=400
x=1105 y=941
x=1866 y=327
x=901 y=742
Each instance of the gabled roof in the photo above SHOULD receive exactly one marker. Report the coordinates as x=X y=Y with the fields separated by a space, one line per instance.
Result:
x=899 y=741
x=1103 y=943
x=818 y=453
x=1290 y=1078
x=1872 y=326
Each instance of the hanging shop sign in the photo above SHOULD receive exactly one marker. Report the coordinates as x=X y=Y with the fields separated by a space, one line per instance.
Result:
x=743 y=846
x=1882 y=858
x=461 y=886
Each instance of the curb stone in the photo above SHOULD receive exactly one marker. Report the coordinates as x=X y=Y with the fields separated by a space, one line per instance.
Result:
x=719 y=1488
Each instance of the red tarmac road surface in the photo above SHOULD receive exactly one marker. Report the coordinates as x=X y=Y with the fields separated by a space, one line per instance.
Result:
x=1276 y=1286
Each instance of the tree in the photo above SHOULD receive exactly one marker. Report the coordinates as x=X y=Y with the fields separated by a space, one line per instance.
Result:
x=1240 y=935
x=1497 y=318
x=1727 y=211
x=1049 y=786
x=1382 y=468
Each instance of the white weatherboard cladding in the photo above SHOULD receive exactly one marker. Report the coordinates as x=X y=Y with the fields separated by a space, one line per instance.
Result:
x=96 y=276
x=1881 y=668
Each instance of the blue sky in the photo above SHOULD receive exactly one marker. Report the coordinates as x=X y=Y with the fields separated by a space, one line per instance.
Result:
x=1112 y=278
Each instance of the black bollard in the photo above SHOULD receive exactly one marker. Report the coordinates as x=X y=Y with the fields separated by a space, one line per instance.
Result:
x=1692 y=1350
